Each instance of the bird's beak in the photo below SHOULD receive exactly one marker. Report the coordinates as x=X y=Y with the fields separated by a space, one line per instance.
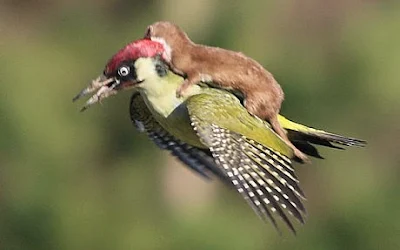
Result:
x=105 y=87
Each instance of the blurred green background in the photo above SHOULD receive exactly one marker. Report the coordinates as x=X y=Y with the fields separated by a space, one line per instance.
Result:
x=71 y=180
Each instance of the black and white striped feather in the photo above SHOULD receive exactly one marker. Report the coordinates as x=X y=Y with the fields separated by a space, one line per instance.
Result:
x=262 y=176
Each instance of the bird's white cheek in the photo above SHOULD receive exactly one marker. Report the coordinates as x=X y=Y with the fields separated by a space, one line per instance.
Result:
x=144 y=69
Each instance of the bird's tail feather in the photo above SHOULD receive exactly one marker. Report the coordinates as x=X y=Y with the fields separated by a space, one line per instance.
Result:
x=303 y=137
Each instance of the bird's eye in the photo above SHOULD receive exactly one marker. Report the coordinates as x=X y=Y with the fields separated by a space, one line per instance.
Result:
x=123 y=71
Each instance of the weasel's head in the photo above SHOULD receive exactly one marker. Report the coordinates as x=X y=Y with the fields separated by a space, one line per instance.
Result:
x=167 y=33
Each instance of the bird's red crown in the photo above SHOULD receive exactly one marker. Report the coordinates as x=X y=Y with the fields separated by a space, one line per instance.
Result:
x=132 y=51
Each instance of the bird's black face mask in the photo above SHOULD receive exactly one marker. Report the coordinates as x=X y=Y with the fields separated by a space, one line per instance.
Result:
x=107 y=85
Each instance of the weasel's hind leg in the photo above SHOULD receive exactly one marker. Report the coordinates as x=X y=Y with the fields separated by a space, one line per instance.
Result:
x=276 y=126
x=264 y=108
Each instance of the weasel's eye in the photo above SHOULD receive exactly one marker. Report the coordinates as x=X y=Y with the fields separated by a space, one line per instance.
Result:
x=124 y=71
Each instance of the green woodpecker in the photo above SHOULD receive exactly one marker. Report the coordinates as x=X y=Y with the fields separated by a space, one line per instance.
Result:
x=210 y=130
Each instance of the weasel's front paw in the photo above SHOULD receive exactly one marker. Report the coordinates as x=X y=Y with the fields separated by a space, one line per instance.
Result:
x=180 y=92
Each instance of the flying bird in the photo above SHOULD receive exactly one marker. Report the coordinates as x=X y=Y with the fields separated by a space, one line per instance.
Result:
x=210 y=131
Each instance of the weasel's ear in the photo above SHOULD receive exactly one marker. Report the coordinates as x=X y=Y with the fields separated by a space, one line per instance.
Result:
x=149 y=32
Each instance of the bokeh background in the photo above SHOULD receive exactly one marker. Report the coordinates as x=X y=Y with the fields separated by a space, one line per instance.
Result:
x=71 y=180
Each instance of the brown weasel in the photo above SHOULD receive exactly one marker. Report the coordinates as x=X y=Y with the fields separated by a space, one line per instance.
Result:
x=263 y=95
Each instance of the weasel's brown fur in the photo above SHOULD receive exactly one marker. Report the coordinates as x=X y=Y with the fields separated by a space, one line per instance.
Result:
x=263 y=95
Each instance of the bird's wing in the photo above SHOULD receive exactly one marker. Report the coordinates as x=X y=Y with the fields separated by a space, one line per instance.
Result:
x=197 y=159
x=302 y=137
x=258 y=170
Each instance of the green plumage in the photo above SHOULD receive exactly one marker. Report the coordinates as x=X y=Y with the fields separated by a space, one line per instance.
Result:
x=223 y=109
x=210 y=131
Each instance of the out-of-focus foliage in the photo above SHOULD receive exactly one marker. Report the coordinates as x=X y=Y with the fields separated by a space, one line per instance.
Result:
x=89 y=181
